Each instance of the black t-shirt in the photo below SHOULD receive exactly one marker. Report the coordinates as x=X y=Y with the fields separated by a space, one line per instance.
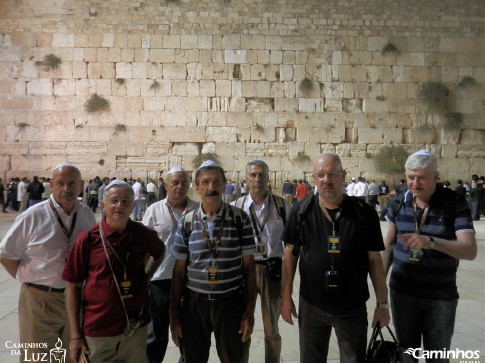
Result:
x=359 y=230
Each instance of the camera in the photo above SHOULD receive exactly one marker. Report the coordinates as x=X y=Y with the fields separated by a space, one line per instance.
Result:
x=332 y=280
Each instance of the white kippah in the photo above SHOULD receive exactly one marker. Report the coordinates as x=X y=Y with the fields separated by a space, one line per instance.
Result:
x=64 y=164
x=423 y=152
x=207 y=163
x=175 y=169
x=116 y=182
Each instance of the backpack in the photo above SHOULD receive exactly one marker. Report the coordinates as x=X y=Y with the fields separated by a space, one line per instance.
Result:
x=280 y=205
x=236 y=217
x=304 y=208
x=37 y=189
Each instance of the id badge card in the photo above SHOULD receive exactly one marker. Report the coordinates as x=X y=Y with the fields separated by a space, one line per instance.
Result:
x=126 y=289
x=333 y=244
x=261 y=246
x=415 y=255
x=212 y=273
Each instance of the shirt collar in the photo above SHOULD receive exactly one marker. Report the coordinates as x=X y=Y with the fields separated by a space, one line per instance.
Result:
x=251 y=201
x=60 y=209
x=108 y=231
x=205 y=216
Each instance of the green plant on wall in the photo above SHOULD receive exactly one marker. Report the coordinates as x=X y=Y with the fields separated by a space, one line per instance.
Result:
x=50 y=62
x=302 y=158
x=120 y=81
x=391 y=159
x=119 y=128
x=101 y=162
x=306 y=85
x=452 y=121
x=466 y=81
x=96 y=104
x=389 y=48
x=199 y=159
x=435 y=95
x=154 y=86
x=22 y=125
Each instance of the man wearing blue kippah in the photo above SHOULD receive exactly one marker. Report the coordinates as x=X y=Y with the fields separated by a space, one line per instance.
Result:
x=430 y=229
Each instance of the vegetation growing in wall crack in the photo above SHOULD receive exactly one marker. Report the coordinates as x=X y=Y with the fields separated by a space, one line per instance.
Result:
x=389 y=48
x=119 y=128
x=306 y=85
x=259 y=128
x=120 y=81
x=22 y=125
x=466 y=81
x=101 y=162
x=452 y=121
x=50 y=62
x=96 y=104
x=199 y=159
x=302 y=158
x=435 y=95
x=391 y=159
x=154 y=86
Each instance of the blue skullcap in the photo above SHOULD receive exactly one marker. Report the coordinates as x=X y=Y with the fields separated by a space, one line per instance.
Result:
x=423 y=152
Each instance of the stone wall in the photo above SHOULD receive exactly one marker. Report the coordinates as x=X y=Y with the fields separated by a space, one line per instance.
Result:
x=279 y=80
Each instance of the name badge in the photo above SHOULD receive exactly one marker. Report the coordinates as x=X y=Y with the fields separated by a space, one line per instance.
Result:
x=415 y=255
x=333 y=244
x=261 y=246
x=126 y=289
x=212 y=273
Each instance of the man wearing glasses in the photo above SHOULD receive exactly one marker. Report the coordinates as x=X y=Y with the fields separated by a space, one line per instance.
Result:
x=337 y=239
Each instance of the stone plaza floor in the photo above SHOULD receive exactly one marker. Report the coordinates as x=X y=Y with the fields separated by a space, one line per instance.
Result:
x=469 y=327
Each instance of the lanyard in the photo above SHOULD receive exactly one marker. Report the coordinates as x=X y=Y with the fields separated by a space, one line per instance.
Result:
x=213 y=246
x=105 y=241
x=259 y=228
x=63 y=227
x=325 y=213
x=175 y=220
x=419 y=227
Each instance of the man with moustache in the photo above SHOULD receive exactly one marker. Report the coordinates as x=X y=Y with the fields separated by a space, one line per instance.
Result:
x=337 y=239
x=163 y=217
x=214 y=273
x=430 y=230
x=268 y=216
x=107 y=271
x=34 y=251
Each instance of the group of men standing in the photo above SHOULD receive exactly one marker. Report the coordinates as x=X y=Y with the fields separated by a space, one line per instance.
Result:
x=219 y=256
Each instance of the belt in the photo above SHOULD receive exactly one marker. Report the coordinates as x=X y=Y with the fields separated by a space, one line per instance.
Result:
x=215 y=297
x=44 y=288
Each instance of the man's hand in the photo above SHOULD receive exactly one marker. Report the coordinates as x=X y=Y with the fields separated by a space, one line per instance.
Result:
x=288 y=310
x=381 y=315
x=414 y=241
x=247 y=324
x=76 y=348
x=176 y=330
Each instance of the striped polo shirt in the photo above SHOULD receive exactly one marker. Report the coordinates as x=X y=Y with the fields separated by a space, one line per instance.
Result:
x=434 y=276
x=234 y=244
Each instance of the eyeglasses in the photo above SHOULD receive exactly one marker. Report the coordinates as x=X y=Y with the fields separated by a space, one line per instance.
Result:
x=321 y=177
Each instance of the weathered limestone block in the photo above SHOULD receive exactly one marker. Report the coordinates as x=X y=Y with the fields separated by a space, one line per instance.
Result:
x=254 y=149
x=123 y=70
x=63 y=40
x=175 y=71
x=333 y=135
x=208 y=147
x=11 y=146
x=16 y=103
x=333 y=105
x=65 y=87
x=327 y=148
x=183 y=149
x=235 y=56
x=276 y=149
x=285 y=104
x=32 y=165
x=469 y=151
x=40 y=87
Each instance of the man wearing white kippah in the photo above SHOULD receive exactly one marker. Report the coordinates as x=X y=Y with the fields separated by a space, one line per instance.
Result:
x=163 y=217
x=430 y=230
x=34 y=251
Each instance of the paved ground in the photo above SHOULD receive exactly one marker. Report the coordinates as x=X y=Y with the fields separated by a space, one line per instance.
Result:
x=470 y=322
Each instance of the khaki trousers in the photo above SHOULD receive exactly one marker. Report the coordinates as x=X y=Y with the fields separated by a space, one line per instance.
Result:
x=121 y=348
x=42 y=319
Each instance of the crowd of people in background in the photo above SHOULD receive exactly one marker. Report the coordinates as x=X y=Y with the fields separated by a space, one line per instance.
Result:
x=20 y=193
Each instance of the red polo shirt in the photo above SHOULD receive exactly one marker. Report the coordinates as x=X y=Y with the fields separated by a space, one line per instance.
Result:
x=102 y=308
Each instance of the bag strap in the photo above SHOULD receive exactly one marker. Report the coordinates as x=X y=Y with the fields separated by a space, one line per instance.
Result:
x=377 y=332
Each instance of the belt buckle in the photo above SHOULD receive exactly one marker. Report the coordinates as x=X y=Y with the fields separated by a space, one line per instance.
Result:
x=211 y=297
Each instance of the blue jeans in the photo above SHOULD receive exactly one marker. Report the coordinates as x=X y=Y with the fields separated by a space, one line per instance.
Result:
x=433 y=320
x=315 y=329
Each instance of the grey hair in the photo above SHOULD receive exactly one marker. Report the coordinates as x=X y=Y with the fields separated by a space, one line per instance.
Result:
x=421 y=161
x=58 y=169
x=260 y=163
x=334 y=155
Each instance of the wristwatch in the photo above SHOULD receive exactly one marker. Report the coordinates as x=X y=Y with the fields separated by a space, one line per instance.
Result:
x=432 y=242
x=384 y=305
